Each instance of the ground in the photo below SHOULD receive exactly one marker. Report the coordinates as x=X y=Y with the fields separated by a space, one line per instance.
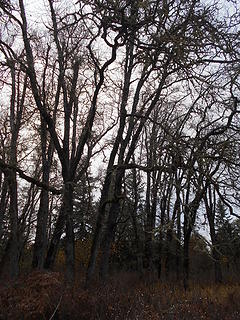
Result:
x=44 y=295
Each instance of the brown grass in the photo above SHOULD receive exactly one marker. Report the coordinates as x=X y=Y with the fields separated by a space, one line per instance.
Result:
x=45 y=296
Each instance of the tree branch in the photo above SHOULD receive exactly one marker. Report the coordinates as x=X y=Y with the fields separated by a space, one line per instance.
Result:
x=6 y=167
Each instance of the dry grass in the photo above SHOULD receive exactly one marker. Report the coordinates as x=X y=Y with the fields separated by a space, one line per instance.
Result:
x=31 y=297
x=44 y=296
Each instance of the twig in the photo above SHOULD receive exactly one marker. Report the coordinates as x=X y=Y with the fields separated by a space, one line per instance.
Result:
x=57 y=306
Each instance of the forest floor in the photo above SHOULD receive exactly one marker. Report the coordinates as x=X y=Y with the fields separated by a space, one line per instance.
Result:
x=45 y=296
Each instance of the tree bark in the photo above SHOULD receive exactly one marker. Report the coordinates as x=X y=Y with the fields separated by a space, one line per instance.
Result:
x=190 y=212
x=178 y=247
x=40 y=243
x=138 y=240
x=111 y=223
x=99 y=226
x=148 y=228
x=3 y=204
x=210 y=206
x=16 y=110
x=55 y=240
x=187 y=236
x=69 y=240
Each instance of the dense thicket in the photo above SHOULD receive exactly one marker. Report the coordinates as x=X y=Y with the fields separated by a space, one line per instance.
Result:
x=120 y=137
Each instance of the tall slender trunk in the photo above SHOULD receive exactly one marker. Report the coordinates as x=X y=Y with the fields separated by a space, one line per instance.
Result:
x=178 y=246
x=138 y=242
x=3 y=204
x=187 y=236
x=99 y=226
x=65 y=218
x=14 y=239
x=160 y=246
x=148 y=227
x=40 y=244
x=69 y=241
x=16 y=109
x=217 y=264
x=137 y=237
x=189 y=221
x=210 y=210
x=169 y=237
x=108 y=240
x=55 y=240
x=111 y=223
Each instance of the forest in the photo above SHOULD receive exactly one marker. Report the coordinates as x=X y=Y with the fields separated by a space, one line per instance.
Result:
x=119 y=159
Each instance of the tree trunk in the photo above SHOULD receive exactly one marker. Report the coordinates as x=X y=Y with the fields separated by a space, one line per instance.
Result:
x=217 y=266
x=55 y=240
x=210 y=204
x=169 y=237
x=14 y=239
x=186 y=260
x=178 y=247
x=148 y=228
x=16 y=109
x=65 y=218
x=40 y=244
x=137 y=237
x=162 y=222
x=111 y=225
x=189 y=221
x=108 y=240
x=99 y=226
x=69 y=241
x=3 y=204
